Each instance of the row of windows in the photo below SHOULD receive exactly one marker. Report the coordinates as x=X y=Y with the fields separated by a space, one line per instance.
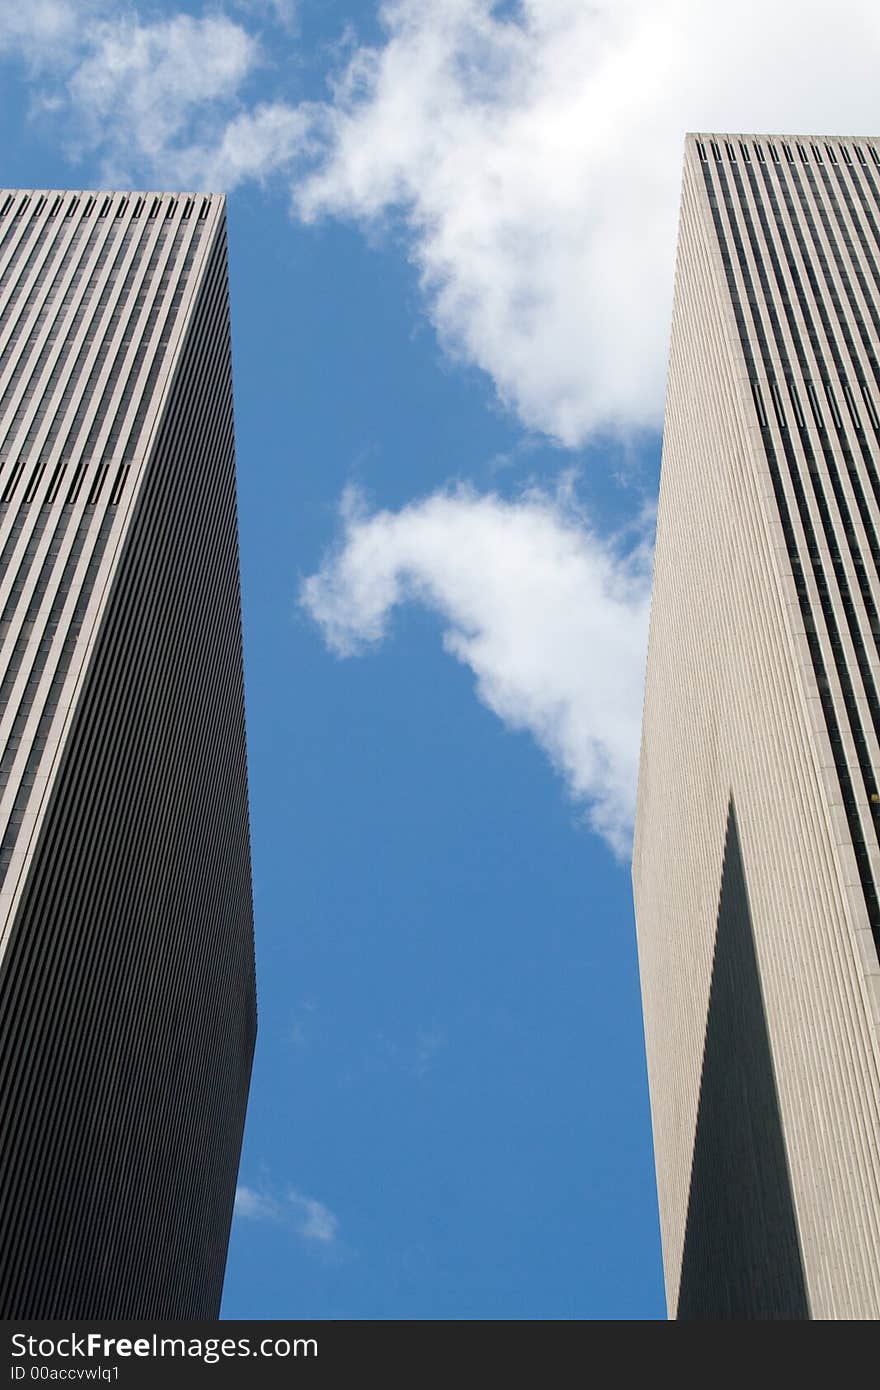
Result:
x=16 y=817
x=24 y=365
x=133 y=329
x=152 y=206
x=813 y=553
x=746 y=149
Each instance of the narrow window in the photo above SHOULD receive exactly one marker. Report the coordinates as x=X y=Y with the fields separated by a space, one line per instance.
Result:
x=55 y=206
x=803 y=154
x=788 y=153
x=817 y=154
x=731 y=153
x=759 y=405
x=829 y=150
x=716 y=153
x=87 y=210
x=832 y=405
x=860 y=154
x=874 y=155
x=171 y=208
x=869 y=406
x=774 y=154
x=814 y=405
x=846 y=155
x=796 y=405
x=74 y=204
x=6 y=205
x=206 y=203
x=138 y=208
x=41 y=203
x=155 y=208
x=22 y=207
x=744 y=151
x=851 y=405
x=105 y=208
x=701 y=150
x=120 y=211
x=187 y=208
x=759 y=151
x=777 y=404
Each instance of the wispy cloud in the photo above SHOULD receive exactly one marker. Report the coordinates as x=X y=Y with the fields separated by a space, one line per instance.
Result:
x=550 y=618
x=310 y=1219
x=163 y=100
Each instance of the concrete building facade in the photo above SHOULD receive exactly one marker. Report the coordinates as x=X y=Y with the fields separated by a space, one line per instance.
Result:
x=756 y=864
x=127 y=1004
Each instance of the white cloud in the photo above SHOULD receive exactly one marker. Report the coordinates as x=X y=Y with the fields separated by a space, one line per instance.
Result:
x=138 y=85
x=41 y=32
x=256 y=1206
x=551 y=619
x=531 y=150
x=534 y=151
x=309 y=1218
x=282 y=12
x=157 y=100
x=313 y=1220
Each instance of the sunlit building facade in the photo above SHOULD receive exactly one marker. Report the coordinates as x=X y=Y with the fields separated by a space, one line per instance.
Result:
x=756 y=864
x=127 y=1008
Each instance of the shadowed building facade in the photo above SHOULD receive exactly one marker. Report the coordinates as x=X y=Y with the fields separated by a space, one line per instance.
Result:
x=756 y=865
x=127 y=1004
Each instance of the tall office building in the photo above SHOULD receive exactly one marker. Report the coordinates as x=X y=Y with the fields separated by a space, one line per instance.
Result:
x=127 y=1012
x=756 y=860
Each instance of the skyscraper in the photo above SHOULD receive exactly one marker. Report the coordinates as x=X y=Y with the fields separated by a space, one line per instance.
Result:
x=127 y=1011
x=756 y=863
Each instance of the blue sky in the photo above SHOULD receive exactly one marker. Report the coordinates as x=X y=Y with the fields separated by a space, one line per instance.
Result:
x=451 y=255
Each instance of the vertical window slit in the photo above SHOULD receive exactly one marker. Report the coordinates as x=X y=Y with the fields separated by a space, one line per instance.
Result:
x=759 y=405
x=814 y=405
x=869 y=406
x=851 y=405
x=832 y=405
x=777 y=404
x=57 y=478
x=796 y=405
x=119 y=484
